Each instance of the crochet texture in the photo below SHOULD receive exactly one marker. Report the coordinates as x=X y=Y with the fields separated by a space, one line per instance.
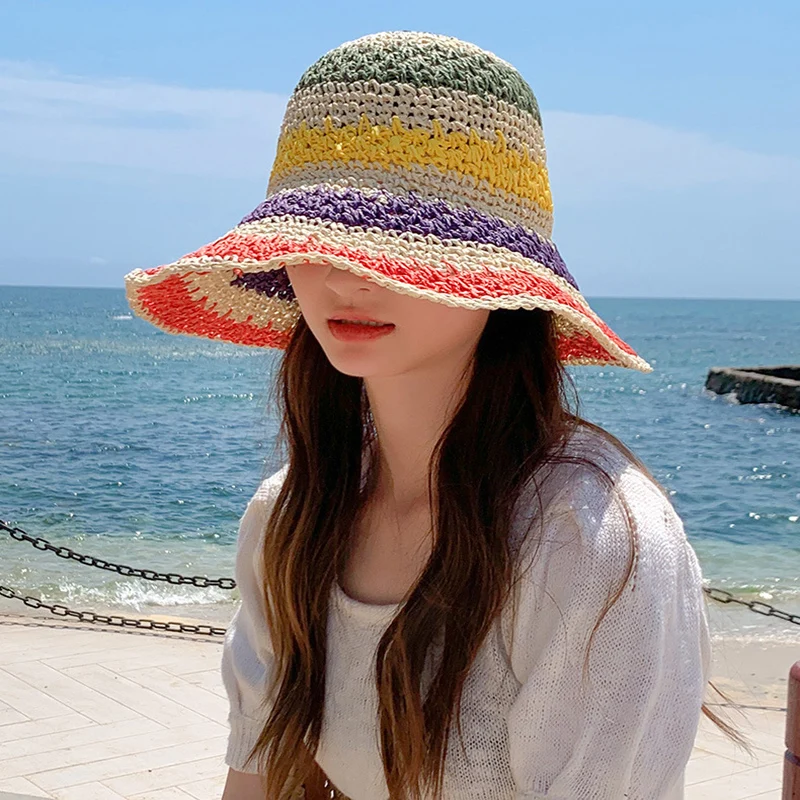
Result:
x=414 y=160
x=531 y=730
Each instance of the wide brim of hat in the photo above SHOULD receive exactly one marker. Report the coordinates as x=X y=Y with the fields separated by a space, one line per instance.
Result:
x=236 y=289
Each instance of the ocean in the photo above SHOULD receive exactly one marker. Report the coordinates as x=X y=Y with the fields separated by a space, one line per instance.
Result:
x=142 y=448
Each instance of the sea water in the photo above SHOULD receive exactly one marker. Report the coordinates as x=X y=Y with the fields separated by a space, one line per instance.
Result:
x=142 y=448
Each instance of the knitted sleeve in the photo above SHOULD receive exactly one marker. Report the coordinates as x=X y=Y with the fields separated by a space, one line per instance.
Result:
x=629 y=732
x=246 y=664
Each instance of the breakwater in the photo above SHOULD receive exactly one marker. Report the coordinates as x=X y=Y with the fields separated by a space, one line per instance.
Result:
x=779 y=385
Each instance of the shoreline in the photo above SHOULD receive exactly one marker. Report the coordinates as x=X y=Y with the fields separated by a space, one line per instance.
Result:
x=728 y=621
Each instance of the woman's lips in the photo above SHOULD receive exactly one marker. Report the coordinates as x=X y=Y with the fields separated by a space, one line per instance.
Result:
x=353 y=332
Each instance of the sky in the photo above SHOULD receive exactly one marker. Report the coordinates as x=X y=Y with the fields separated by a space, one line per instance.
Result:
x=133 y=133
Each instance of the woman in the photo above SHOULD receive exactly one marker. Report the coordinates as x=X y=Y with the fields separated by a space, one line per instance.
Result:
x=455 y=587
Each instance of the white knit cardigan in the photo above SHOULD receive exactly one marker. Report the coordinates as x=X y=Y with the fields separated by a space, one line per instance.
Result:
x=531 y=731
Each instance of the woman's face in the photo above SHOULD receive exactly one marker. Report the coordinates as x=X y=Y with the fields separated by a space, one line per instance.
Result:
x=425 y=333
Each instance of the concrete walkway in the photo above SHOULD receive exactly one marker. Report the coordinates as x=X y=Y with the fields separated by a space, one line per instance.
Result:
x=89 y=712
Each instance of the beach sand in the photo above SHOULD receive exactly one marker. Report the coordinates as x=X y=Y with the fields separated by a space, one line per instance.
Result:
x=753 y=672
x=92 y=712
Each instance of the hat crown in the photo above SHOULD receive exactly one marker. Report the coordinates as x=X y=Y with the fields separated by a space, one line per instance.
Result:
x=423 y=59
x=419 y=115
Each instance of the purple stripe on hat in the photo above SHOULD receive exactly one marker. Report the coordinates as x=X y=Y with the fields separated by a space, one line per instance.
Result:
x=414 y=214
x=272 y=283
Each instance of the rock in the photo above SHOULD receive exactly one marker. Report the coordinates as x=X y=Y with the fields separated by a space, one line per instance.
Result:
x=779 y=385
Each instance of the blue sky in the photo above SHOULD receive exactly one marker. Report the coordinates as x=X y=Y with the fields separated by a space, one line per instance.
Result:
x=132 y=133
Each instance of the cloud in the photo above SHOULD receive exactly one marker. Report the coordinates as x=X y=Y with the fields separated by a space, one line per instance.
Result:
x=591 y=154
x=46 y=116
x=49 y=117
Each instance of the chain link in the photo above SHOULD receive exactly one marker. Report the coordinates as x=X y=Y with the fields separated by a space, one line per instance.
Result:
x=721 y=595
x=754 y=605
x=132 y=572
x=125 y=622
x=120 y=622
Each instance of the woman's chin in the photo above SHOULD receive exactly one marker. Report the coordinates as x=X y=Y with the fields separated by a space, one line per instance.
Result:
x=355 y=367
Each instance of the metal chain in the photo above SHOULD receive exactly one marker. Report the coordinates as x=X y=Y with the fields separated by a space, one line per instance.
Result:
x=754 y=605
x=91 y=561
x=120 y=622
x=721 y=595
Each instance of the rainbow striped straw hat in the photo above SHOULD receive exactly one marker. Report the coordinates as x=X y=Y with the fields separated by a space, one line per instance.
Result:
x=414 y=160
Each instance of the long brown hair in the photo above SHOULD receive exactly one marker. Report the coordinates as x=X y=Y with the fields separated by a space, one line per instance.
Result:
x=492 y=446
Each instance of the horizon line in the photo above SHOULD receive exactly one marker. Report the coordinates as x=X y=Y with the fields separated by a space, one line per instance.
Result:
x=599 y=296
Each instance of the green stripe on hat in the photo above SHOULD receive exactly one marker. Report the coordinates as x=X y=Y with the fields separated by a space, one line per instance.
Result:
x=423 y=60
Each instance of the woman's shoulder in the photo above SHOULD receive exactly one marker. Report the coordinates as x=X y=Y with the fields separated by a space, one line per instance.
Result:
x=596 y=537
x=268 y=489
x=261 y=501
x=594 y=509
x=593 y=470
x=252 y=522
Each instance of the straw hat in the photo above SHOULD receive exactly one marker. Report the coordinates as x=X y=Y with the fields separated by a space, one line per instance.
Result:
x=414 y=160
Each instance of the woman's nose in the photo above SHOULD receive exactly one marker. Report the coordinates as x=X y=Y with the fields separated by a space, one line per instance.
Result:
x=344 y=282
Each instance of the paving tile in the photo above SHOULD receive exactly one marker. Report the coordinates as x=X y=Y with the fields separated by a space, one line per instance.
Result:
x=13 y=788
x=34 y=650
x=19 y=637
x=130 y=695
x=197 y=743
x=764 y=734
x=171 y=793
x=39 y=727
x=151 y=780
x=767 y=746
x=739 y=785
x=49 y=742
x=710 y=767
x=93 y=655
x=59 y=637
x=72 y=694
x=209 y=679
x=9 y=716
x=31 y=701
x=208 y=658
x=173 y=687
x=174 y=655
x=209 y=788
x=719 y=744
x=87 y=791
x=49 y=762
x=15 y=796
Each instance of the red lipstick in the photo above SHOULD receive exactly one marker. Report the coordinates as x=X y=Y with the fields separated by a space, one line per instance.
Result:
x=357 y=331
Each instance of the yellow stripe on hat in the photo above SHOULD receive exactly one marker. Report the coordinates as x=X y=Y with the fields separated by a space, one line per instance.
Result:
x=500 y=166
x=417 y=107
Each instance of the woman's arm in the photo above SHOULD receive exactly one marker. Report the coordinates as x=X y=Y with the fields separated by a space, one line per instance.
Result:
x=248 y=786
x=629 y=732
x=243 y=786
x=247 y=659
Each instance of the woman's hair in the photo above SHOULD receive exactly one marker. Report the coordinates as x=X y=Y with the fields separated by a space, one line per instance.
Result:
x=492 y=447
